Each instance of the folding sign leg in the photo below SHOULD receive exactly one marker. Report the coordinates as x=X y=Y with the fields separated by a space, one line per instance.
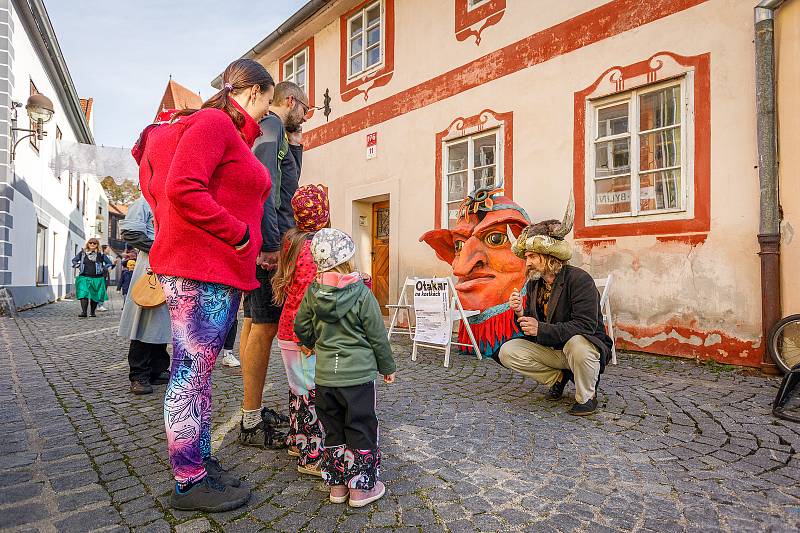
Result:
x=447 y=355
x=414 y=351
x=394 y=321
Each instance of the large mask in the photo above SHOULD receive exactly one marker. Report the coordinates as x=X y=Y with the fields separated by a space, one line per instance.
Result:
x=479 y=250
x=486 y=269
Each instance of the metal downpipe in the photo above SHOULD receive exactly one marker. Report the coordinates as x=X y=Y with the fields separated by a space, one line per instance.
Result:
x=769 y=234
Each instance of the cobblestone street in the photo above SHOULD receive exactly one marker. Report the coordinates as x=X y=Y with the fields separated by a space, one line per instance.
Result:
x=677 y=447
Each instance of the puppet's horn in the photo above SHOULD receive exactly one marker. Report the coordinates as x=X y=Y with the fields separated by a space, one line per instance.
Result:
x=569 y=219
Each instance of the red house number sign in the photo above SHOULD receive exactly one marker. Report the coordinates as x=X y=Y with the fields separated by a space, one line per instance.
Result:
x=372 y=145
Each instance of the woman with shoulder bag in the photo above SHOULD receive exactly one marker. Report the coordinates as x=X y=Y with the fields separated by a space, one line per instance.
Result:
x=207 y=191
x=148 y=328
x=90 y=285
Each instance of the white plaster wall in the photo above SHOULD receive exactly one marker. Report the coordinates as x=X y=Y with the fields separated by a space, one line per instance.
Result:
x=50 y=195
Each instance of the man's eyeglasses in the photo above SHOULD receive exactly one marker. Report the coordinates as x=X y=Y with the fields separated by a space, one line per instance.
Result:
x=306 y=107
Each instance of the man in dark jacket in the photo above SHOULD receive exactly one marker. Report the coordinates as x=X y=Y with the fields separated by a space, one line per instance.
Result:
x=279 y=150
x=565 y=339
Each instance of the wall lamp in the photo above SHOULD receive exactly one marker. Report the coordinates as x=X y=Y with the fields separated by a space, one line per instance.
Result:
x=40 y=111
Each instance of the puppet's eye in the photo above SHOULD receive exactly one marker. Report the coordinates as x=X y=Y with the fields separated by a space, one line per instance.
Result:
x=495 y=239
x=459 y=246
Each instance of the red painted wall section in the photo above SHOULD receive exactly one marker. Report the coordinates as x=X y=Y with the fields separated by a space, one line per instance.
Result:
x=472 y=22
x=680 y=340
x=592 y=26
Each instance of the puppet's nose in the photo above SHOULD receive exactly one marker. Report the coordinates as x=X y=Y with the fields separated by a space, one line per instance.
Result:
x=472 y=255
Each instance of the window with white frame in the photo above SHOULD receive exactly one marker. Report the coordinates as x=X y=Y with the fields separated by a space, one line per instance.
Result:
x=365 y=39
x=295 y=69
x=470 y=163
x=638 y=152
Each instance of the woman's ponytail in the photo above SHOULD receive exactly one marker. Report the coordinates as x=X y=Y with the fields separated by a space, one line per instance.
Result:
x=240 y=75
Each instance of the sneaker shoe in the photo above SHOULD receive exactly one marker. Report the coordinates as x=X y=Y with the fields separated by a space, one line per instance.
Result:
x=82 y=315
x=101 y=308
x=583 y=409
x=557 y=390
x=293 y=451
x=339 y=493
x=216 y=471
x=161 y=379
x=228 y=359
x=360 y=498
x=263 y=435
x=274 y=418
x=313 y=469
x=139 y=387
x=211 y=496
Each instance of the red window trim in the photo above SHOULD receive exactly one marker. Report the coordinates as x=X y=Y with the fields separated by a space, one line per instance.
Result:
x=375 y=78
x=702 y=151
x=476 y=122
x=309 y=44
x=489 y=13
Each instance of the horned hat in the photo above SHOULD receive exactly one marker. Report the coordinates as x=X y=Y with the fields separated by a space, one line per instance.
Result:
x=546 y=237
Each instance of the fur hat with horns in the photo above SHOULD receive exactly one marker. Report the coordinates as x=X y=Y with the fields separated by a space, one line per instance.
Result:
x=546 y=237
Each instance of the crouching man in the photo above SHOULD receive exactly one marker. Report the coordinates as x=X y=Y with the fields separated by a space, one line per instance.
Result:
x=565 y=339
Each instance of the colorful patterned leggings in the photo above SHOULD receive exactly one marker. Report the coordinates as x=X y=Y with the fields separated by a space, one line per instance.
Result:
x=305 y=429
x=352 y=456
x=201 y=314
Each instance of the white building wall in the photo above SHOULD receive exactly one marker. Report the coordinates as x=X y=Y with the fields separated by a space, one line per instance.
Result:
x=39 y=196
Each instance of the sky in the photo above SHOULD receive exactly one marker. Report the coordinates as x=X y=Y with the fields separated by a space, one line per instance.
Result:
x=122 y=53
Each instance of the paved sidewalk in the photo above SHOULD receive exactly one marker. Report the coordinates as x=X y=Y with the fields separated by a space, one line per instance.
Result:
x=677 y=447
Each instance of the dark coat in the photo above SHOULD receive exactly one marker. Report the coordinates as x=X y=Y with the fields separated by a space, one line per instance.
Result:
x=574 y=309
x=124 y=282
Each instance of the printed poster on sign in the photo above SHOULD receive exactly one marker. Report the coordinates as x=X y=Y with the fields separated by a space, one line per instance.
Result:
x=432 y=310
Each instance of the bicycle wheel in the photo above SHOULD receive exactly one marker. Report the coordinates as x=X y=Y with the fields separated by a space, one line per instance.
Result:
x=784 y=343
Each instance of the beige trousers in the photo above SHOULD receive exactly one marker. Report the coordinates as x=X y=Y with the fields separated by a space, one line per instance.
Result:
x=544 y=364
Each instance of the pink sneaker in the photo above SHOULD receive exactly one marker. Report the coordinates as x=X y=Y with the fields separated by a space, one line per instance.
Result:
x=360 y=498
x=339 y=493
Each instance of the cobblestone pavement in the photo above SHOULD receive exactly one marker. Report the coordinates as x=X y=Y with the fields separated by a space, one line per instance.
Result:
x=678 y=446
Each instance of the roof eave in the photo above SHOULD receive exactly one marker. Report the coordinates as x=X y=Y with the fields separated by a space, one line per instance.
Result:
x=45 y=39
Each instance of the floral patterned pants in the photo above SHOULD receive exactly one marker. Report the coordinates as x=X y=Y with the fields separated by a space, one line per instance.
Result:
x=305 y=429
x=352 y=456
x=201 y=315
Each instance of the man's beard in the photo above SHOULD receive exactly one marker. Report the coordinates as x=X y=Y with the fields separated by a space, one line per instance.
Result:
x=533 y=274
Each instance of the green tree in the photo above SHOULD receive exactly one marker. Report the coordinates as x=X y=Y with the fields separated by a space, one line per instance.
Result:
x=123 y=194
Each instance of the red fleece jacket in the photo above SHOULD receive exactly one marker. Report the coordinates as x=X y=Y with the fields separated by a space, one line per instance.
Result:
x=206 y=189
x=304 y=274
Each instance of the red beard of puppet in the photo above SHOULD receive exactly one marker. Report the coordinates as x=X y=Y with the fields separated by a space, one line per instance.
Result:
x=486 y=269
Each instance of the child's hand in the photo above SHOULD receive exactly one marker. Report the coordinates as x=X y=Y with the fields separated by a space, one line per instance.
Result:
x=306 y=351
x=389 y=379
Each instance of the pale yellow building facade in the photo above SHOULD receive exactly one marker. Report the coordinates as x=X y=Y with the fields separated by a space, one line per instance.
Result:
x=645 y=111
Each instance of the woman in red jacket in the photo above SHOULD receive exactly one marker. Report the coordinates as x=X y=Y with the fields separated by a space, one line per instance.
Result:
x=207 y=191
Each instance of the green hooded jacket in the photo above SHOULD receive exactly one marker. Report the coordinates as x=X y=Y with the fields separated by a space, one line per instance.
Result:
x=345 y=328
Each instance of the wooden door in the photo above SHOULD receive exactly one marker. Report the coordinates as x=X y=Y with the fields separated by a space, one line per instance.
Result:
x=380 y=254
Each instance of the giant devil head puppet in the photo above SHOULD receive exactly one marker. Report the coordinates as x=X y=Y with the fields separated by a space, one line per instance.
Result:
x=479 y=249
